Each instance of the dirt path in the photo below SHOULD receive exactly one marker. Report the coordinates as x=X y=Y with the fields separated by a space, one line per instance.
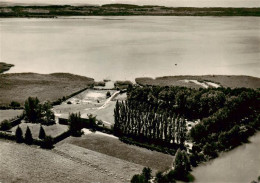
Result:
x=108 y=100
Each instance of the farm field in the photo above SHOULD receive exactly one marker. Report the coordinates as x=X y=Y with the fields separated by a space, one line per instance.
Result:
x=112 y=146
x=9 y=114
x=19 y=86
x=52 y=130
x=66 y=163
x=207 y=80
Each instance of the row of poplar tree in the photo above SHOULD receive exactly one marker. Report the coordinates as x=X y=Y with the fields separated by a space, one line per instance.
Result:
x=142 y=122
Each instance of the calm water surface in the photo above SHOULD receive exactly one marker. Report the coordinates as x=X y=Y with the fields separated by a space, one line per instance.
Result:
x=241 y=165
x=130 y=47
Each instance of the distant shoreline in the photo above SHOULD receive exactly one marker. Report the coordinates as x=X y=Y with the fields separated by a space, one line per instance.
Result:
x=53 y=11
x=232 y=81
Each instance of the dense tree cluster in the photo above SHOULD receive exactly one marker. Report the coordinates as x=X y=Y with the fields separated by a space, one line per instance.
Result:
x=76 y=123
x=38 y=113
x=187 y=102
x=157 y=115
x=230 y=125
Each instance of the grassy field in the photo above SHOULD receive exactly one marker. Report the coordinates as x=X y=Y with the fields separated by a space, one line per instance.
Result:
x=105 y=114
x=91 y=102
x=52 y=130
x=66 y=163
x=222 y=80
x=19 y=86
x=105 y=144
x=9 y=114
x=5 y=67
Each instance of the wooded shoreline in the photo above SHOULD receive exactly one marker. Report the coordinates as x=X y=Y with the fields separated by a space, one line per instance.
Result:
x=52 y=11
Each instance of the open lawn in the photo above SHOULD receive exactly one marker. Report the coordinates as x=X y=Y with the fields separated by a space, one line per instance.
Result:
x=52 y=130
x=105 y=114
x=209 y=80
x=91 y=102
x=9 y=114
x=105 y=144
x=66 y=163
x=91 y=96
x=19 y=86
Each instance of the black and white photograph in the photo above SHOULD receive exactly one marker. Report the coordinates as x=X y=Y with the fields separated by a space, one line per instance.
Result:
x=129 y=91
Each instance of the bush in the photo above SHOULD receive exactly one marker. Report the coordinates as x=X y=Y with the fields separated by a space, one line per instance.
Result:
x=15 y=104
x=28 y=136
x=144 y=177
x=47 y=143
x=108 y=94
x=5 y=125
x=159 y=177
x=167 y=178
x=7 y=136
x=138 y=179
x=19 y=135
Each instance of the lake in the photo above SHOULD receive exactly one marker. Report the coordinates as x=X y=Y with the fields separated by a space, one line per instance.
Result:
x=121 y=48
x=241 y=165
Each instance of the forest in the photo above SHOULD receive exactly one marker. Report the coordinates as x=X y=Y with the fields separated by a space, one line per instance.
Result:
x=158 y=115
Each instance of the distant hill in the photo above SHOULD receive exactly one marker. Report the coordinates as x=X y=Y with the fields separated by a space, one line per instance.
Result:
x=205 y=81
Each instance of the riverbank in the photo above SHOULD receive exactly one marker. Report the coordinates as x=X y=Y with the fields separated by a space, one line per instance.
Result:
x=52 y=11
x=5 y=67
x=238 y=165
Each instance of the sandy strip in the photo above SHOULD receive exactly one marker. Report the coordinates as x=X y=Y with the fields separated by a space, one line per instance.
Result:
x=196 y=82
x=87 y=131
x=213 y=84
